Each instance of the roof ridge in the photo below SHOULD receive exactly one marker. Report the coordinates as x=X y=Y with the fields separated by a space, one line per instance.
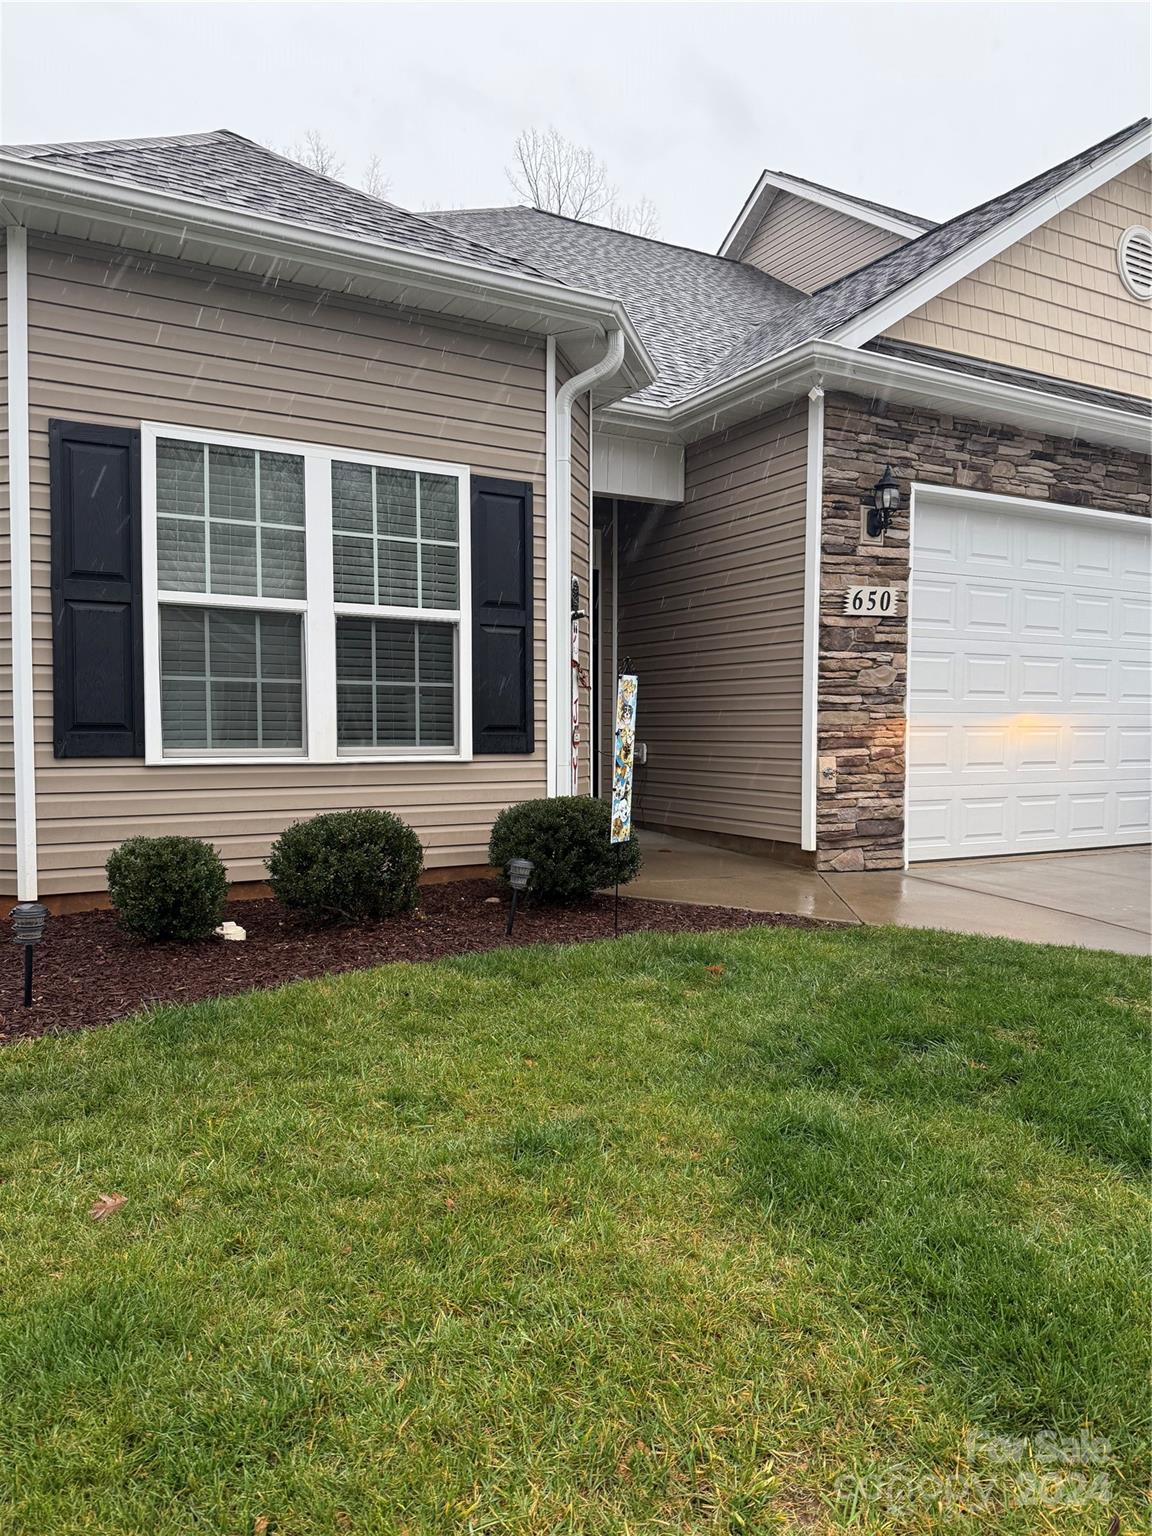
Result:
x=608 y=229
x=477 y=245
x=112 y=146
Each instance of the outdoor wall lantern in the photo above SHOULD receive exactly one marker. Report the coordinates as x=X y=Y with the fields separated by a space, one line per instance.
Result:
x=885 y=501
x=28 y=921
x=519 y=874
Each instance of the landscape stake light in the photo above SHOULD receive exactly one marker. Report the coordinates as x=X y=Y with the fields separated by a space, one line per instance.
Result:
x=885 y=501
x=28 y=921
x=519 y=874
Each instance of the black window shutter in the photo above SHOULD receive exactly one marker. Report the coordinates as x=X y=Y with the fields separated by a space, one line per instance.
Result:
x=97 y=670
x=502 y=660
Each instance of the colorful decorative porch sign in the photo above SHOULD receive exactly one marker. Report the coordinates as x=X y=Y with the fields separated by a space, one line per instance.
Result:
x=625 y=743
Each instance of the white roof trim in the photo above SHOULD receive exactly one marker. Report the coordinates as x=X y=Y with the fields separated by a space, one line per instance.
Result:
x=771 y=182
x=905 y=301
x=875 y=373
x=74 y=192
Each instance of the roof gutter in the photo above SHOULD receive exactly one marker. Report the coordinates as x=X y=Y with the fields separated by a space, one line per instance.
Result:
x=877 y=374
x=188 y=218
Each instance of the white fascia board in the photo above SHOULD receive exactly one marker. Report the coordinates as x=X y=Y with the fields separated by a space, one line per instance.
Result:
x=756 y=205
x=49 y=188
x=771 y=183
x=877 y=374
x=906 y=300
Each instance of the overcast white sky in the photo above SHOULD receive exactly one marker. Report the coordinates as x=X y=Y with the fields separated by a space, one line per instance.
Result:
x=930 y=107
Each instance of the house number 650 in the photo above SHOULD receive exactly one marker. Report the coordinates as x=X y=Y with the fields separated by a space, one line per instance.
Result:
x=879 y=602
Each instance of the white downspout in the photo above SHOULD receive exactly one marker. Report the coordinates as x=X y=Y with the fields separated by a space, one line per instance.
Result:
x=564 y=683
x=551 y=580
x=20 y=510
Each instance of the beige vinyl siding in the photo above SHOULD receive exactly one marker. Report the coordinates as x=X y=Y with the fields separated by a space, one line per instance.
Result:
x=808 y=245
x=118 y=340
x=711 y=600
x=7 y=791
x=1055 y=302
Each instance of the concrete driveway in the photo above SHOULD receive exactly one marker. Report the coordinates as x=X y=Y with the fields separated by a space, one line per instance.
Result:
x=1099 y=899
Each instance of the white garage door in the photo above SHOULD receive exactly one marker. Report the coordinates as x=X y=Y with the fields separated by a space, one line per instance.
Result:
x=1029 y=680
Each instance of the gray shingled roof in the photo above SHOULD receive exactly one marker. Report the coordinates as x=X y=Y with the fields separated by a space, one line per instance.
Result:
x=862 y=202
x=1087 y=394
x=226 y=169
x=706 y=319
x=690 y=308
x=850 y=296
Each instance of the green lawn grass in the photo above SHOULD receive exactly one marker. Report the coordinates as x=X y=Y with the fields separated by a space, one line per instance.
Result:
x=722 y=1233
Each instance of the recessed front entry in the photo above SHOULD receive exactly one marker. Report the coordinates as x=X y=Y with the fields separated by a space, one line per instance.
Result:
x=1029 y=722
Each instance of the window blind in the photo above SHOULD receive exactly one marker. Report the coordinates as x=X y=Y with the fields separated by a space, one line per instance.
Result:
x=396 y=537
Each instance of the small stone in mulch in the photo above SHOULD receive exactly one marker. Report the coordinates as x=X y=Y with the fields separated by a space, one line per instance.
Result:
x=89 y=971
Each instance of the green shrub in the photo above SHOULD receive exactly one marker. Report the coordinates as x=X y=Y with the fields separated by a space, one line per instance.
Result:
x=567 y=841
x=167 y=887
x=347 y=866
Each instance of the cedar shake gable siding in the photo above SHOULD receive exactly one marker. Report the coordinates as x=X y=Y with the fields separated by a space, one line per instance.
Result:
x=119 y=339
x=864 y=666
x=1055 y=302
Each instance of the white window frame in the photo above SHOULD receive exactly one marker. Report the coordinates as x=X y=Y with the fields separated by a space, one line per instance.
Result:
x=318 y=610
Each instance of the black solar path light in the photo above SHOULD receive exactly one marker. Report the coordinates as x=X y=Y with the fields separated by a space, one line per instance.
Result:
x=519 y=874
x=28 y=921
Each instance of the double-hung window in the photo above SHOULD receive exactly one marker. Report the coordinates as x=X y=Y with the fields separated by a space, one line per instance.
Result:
x=302 y=601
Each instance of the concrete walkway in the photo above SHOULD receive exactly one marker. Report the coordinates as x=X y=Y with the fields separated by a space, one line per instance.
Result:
x=1099 y=899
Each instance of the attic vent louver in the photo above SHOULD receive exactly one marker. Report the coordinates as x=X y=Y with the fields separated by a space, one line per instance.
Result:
x=1134 y=255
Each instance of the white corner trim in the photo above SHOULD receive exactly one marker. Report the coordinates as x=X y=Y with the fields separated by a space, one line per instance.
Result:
x=551 y=580
x=813 y=509
x=943 y=275
x=772 y=182
x=20 y=502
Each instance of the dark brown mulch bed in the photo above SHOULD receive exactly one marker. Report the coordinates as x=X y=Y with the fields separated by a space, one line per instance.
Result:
x=89 y=972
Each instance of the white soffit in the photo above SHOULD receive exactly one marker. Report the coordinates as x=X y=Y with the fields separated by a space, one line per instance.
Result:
x=637 y=468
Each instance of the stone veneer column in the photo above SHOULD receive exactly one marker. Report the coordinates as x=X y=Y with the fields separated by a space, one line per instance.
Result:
x=864 y=663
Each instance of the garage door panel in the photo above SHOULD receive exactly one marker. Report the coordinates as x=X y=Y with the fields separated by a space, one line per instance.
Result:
x=1030 y=682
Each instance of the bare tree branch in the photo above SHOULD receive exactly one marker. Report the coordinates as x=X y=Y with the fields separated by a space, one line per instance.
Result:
x=557 y=176
x=316 y=153
x=374 y=181
x=640 y=218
